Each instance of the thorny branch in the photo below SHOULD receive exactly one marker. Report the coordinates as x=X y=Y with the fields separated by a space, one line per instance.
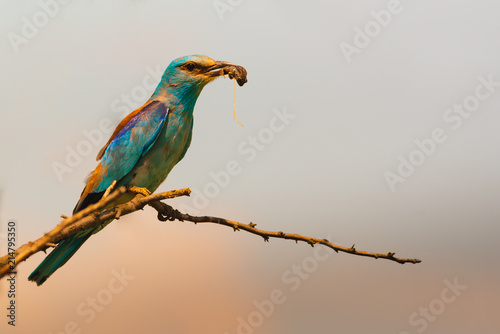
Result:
x=166 y=212
x=93 y=216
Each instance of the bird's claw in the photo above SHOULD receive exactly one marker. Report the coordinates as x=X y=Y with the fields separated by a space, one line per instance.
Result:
x=139 y=190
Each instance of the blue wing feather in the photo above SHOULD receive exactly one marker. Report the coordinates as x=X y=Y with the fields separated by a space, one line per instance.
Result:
x=131 y=143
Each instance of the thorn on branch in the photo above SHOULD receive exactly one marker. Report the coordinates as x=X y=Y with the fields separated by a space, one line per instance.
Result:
x=118 y=213
x=311 y=242
x=63 y=216
x=252 y=225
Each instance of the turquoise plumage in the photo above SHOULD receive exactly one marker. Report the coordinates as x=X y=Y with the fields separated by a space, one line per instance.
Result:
x=146 y=145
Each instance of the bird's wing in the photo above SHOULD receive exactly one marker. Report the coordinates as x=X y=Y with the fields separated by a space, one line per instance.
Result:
x=131 y=142
x=120 y=126
x=133 y=137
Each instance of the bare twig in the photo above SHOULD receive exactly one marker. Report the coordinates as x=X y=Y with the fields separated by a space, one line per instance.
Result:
x=166 y=212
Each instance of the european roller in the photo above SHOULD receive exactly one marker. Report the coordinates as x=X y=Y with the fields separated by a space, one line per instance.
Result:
x=146 y=145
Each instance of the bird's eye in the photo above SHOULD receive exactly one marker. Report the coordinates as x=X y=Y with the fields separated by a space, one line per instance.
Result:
x=190 y=67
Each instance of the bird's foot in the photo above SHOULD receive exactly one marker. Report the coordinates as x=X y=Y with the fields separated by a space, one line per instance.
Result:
x=139 y=190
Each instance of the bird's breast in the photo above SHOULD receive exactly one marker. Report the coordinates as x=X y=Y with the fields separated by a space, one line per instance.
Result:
x=165 y=153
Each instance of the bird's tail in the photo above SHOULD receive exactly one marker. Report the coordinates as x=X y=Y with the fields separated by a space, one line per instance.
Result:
x=58 y=257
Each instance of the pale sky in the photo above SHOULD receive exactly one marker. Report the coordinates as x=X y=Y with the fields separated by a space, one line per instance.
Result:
x=367 y=122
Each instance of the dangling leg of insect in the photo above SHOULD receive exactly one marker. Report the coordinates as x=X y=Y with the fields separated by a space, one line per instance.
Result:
x=234 y=105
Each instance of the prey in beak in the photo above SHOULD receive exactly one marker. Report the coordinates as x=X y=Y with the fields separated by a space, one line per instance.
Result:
x=233 y=71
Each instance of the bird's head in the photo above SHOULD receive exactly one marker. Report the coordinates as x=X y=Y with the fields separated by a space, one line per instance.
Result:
x=186 y=76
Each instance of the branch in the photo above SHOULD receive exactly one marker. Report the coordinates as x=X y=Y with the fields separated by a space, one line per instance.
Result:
x=89 y=217
x=99 y=213
x=166 y=212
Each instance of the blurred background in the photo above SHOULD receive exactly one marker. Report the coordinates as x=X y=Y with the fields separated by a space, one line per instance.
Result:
x=372 y=123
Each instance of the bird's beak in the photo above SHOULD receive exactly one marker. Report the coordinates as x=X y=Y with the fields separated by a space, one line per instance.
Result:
x=222 y=68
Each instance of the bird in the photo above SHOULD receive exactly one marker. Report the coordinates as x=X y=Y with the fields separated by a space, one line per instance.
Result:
x=145 y=145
